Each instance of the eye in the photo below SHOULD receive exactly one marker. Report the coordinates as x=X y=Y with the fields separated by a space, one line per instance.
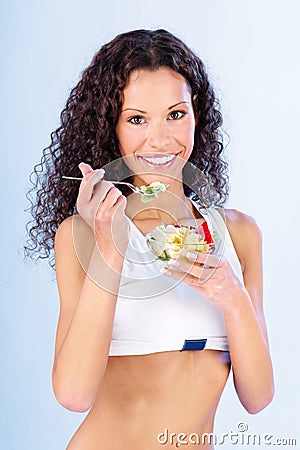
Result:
x=176 y=115
x=136 y=120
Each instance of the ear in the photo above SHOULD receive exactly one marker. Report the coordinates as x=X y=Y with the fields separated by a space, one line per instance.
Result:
x=194 y=101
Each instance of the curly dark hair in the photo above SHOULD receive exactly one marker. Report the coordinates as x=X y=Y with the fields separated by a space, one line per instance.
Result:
x=87 y=131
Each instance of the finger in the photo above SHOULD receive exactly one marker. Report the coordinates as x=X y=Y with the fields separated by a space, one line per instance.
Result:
x=181 y=265
x=111 y=197
x=175 y=274
x=206 y=259
x=87 y=187
x=193 y=280
x=195 y=270
x=102 y=200
x=85 y=168
x=121 y=202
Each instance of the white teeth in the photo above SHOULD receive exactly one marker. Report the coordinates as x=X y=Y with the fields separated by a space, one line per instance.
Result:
x=161 y=160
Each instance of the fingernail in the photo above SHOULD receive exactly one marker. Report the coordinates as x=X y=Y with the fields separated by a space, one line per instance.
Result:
x=173 y=263
x=98 y=174
x=191 y=255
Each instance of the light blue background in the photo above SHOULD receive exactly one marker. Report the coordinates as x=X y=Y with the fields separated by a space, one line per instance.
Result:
x=251 y=49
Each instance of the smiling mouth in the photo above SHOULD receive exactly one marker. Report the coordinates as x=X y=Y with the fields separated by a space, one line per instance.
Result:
x=159 y=160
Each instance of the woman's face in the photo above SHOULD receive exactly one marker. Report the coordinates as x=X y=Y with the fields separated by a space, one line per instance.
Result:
x=156 y=126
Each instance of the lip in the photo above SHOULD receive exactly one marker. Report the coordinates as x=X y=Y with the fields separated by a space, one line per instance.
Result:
x=158 y=155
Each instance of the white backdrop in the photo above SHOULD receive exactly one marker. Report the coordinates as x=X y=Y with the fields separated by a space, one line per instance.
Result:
x=251 y=49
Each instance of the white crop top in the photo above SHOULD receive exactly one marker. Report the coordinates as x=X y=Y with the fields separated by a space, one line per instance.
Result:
x=155 y=313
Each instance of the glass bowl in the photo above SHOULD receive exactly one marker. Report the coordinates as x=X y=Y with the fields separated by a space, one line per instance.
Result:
x=174 y=242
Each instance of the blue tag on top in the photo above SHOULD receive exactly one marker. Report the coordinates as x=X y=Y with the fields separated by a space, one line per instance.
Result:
x=194 y=344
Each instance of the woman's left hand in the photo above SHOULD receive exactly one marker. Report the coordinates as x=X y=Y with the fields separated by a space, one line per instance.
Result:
x=212 y=276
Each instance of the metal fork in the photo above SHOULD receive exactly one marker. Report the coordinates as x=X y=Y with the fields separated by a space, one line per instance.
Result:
x=131 y=186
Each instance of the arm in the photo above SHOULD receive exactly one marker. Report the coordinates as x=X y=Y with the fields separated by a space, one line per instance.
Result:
x=86 y=307
x=84 y=325
x=246 y=328
x=241 y=306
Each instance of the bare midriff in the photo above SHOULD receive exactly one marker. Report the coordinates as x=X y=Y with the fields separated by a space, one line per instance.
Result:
x=147 y=396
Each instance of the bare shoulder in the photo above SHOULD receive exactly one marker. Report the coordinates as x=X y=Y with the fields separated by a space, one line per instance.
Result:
x=245 y=233
x=73 y=246
x=240 y=222
x=64 y=250
x=68 y=229
x=64 y=231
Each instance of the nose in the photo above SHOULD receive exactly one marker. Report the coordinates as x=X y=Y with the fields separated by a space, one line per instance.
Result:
x=158 y=135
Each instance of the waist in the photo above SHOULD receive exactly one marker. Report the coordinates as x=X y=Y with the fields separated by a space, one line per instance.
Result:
x=136 y=395
x=149 y=378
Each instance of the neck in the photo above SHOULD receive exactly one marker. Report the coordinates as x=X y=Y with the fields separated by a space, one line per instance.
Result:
x=170 y=206
x=167 y=208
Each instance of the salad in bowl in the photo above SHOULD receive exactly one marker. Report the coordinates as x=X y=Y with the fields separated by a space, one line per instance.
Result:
x=175 y=241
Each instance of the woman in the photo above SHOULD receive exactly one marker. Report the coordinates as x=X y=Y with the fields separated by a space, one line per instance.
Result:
x=148 y=356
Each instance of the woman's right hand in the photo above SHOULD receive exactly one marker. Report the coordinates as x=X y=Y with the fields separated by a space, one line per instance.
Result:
x=102 y=206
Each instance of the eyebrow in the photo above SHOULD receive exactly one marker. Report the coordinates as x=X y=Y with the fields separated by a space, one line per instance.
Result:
x=145 y=112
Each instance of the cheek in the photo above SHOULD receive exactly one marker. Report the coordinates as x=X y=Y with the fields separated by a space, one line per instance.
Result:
x=186 y=135
x=129 y=140
x=192 y=134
